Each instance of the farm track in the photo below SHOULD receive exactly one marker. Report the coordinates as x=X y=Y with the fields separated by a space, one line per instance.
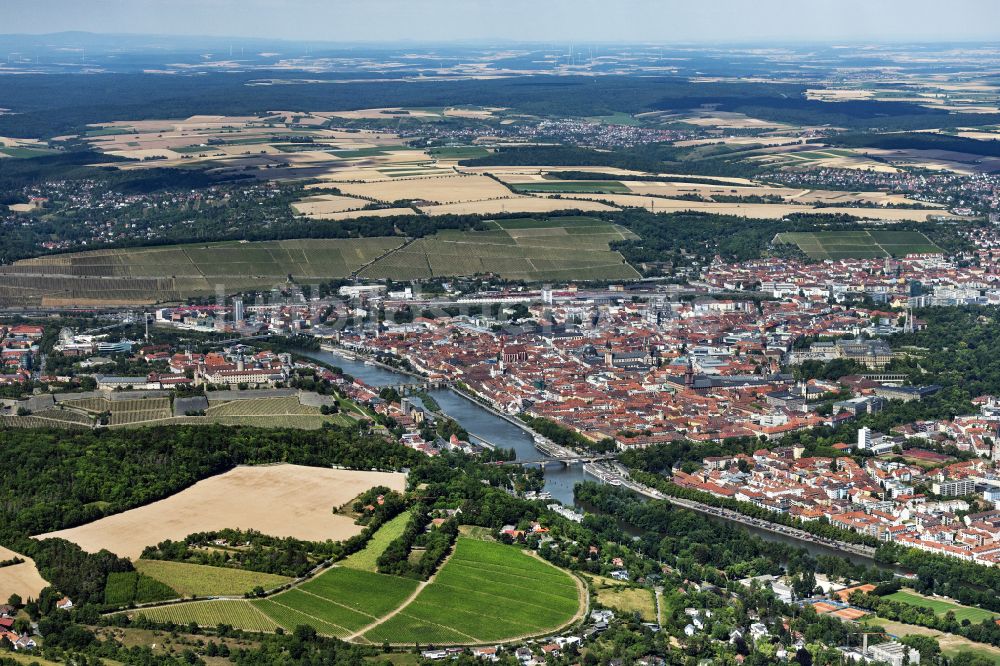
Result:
x=335 y=603
x=301 y=612
x=406 y=602
x=357 y=271
x=583 y=602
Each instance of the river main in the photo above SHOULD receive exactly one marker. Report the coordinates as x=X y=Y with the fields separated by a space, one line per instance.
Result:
x=559 y=480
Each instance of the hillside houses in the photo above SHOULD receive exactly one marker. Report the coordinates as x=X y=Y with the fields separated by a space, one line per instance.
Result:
x=878 y=498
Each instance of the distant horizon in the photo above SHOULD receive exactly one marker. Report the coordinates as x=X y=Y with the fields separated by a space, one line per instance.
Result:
x=487 y=41
x=518 y=21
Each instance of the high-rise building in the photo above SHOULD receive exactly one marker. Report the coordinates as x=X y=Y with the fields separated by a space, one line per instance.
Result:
x=237 y=310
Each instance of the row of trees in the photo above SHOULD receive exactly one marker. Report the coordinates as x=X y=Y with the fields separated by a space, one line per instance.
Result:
x=433 y=543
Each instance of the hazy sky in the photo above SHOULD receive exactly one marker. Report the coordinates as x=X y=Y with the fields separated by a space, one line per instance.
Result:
x=527 y=20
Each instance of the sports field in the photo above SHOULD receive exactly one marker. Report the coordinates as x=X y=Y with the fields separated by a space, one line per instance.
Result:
x=485 y=592
x=199 y=580
x=574 y=248
x=874 y=244
x=942 y=606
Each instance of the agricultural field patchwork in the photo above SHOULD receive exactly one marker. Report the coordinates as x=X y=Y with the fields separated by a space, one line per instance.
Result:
x=872 y=244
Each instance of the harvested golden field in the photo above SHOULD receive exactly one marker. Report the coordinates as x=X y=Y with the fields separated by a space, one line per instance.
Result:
x=758 y=211
x=517 y=204
x=839 y=94
x=280 y=500
x=22 y=579
x=979 y=134
x=790 y=195
x=146 y=153
x=384 y=112
x=668 y=189
x=740 y=141
x=458 y=112
x=443 y=189
x=847 y=198
x=378 y=212
x=729 y=120
x=938 y=160
x=321 y=205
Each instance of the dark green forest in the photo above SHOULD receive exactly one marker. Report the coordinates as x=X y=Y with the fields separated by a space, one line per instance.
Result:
x=51 y=105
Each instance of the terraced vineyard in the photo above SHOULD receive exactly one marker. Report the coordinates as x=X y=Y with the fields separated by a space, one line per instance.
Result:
x=348 y=599
x=303 y=422
x=282 y=412
x=874 y=244
x=485 y=593
x=139 y=410
x=175 y=272
x=200 y=580
x=236 y=613
x=39 y=421
x=263 y=407
x=93 y=405
x=527 y=249
x=68 y=416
